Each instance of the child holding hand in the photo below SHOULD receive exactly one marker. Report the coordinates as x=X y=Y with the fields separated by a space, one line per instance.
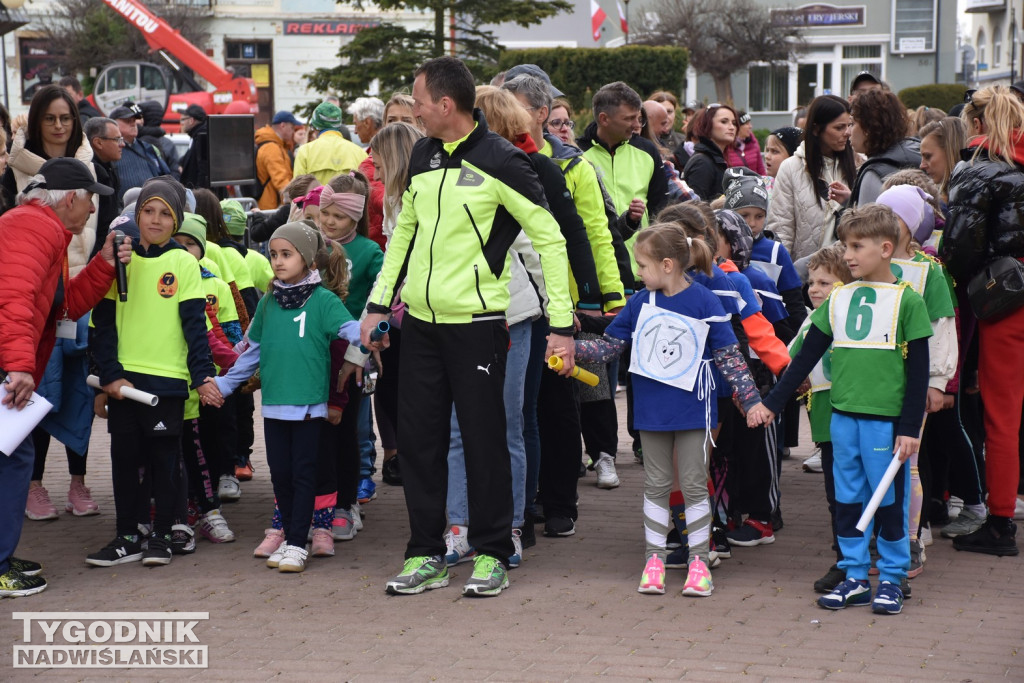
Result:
x=878 y=328
x=290 y=338
x=678 y=328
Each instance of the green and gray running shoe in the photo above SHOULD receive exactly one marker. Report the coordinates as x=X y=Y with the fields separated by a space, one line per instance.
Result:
x=419 y=574
x=489 y=577
x=14 y=584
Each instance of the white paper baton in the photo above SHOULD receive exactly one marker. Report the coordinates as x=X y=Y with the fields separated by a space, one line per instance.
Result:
x=130 y=393
x=876 y=497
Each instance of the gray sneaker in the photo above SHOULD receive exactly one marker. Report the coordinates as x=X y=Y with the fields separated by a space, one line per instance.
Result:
x=967 y=522
x=489 y=577
x=419 y=574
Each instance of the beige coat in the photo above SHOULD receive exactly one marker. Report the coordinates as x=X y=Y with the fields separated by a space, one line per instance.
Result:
x=25 y=164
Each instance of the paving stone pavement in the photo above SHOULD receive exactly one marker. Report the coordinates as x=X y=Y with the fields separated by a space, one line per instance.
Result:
x=572 y=610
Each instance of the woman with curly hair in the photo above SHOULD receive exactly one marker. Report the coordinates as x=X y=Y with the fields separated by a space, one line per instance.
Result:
x=880 y=127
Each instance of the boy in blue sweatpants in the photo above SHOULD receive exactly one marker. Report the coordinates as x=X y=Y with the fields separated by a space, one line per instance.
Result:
x=878 y=328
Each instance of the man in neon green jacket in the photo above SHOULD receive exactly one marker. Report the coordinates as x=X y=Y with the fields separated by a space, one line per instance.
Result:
x=469 y=192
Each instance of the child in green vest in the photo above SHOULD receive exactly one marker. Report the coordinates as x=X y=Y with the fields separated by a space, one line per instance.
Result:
x=289 y=339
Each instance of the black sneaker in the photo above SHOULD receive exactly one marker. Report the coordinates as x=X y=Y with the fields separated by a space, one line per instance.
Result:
x=833 y=577
x=720 y=543
x=159 y=551
x=14 y=584
x=119 y=551
x=559 y=526
x=26 y=567
x=183 y=540
x=528 y=533
x=995 y=537
x=391 y=472
x=905 y=587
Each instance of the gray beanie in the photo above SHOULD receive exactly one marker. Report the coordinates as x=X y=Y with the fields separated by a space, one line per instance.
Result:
x=305 y=239
x=747 y=192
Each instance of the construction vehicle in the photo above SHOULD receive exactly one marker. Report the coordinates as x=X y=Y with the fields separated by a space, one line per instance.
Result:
x=171 y=83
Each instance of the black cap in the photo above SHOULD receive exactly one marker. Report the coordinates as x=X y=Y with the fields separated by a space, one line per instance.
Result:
x=533 y=70
x=196 y=112
x=864 y=76
x=128 y=110
x=68 y=173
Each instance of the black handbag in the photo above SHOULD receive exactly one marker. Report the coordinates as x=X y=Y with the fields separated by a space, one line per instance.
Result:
x=998 y=289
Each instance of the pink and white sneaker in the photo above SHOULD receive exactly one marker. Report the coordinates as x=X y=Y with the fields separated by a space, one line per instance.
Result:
x=652 y=581
x=38 y=506
x=322 y=544
x=80 y=502
x=273 y=541
x=698 y=579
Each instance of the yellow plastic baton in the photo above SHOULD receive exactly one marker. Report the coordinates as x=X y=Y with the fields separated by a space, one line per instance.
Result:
x=585 y=376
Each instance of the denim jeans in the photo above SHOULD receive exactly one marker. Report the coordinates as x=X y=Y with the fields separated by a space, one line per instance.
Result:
x=515 y=369
x=367 y=453
x=15 y=474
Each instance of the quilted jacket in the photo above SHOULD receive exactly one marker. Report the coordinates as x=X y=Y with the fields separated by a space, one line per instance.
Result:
x=35 y=242
x=986 y=213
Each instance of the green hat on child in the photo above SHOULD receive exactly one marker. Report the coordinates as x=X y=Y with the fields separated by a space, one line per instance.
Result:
x=194 y=226
x=234 y=217
x=326 y=116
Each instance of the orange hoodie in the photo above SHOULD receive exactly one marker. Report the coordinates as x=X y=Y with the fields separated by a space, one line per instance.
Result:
x=761 y=335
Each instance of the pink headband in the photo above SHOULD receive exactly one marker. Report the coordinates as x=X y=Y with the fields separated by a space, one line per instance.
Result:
x=313 y=197
x=350 y=203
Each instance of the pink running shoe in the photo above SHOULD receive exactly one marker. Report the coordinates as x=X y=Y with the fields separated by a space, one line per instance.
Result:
x=273 y=541
x=323 y=543
x=80 y=502
x=698 y=579
x=38 y=506
x=653 y=579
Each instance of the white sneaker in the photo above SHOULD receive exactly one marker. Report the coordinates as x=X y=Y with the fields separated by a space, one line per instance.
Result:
x=293 y=559
x=275 y=557
x=925 y=536
x=456 y=541
x=214 y=527
x=954 y=507
x=813 y=463
x=517 y=554
x=343 y=528
x=606 y=476
x=357 y=516
x=229 y=488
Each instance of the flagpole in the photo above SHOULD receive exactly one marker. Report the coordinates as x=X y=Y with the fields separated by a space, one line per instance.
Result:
x=627 y=21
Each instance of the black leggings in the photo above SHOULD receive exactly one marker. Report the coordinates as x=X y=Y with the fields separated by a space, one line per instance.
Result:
x=292 y=448
x=337 y=468
x=202 y=486
x=385 y=399
x=41 y=442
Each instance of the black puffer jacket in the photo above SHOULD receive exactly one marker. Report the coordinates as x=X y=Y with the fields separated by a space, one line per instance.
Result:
x=986 y=214
x=705 y=169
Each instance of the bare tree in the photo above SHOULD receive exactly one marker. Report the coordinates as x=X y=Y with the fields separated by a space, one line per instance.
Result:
x=88 y=34
x=723 y=36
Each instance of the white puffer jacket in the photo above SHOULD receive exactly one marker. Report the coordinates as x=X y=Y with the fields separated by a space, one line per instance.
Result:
x=25 y=164
x=795 y=216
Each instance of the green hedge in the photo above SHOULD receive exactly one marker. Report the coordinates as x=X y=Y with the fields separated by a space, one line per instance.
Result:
x=935 y=95
x=578 y=72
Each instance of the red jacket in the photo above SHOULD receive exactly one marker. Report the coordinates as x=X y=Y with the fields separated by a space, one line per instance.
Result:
x=375 y=205
x=750 y=157
x=35 y=244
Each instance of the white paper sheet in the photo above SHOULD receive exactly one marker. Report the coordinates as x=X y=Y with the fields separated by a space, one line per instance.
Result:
x=16 y=425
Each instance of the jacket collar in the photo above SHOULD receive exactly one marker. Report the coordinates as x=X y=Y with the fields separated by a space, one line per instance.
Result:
x=560 y=150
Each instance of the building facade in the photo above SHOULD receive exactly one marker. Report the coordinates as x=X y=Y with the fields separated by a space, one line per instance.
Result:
x=992 y=42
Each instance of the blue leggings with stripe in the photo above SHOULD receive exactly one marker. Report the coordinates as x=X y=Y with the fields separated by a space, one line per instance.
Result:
x=863 y=450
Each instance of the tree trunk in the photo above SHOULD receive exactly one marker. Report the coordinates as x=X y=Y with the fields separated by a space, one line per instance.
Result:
x=723 y=88
x=439 y=28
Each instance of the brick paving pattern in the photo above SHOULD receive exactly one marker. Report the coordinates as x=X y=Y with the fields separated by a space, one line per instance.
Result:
x=572 y=610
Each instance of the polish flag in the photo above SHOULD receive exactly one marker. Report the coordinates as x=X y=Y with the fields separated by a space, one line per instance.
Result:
x=597 y=17
x=622 y=17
